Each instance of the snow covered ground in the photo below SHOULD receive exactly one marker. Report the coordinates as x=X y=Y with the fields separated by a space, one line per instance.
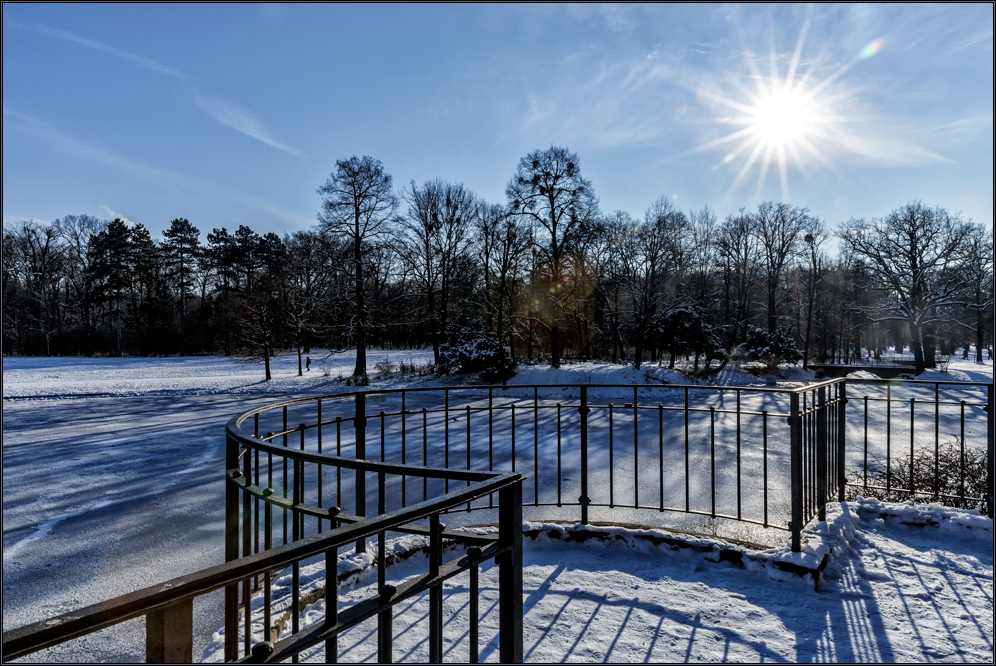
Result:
x=107 y=494
x=904 y=584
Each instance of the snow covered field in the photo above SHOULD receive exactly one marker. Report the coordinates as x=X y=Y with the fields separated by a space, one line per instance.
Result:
x=104 y=495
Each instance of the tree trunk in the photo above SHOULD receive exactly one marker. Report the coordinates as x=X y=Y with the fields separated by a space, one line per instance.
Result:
x=917 y=348
x=361 y=312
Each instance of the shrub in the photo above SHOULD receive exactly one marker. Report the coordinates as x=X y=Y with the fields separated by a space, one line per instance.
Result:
x=476 y=351
x=919 y=478
x=775 y=348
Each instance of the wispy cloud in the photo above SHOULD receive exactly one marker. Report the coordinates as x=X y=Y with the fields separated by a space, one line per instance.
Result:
x=221 y=110
x=133 y=58
x=114 y=215
x=242 y=120
x=167 y=178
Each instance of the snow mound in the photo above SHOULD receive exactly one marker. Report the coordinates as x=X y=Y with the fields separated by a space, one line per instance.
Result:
x=946 y=518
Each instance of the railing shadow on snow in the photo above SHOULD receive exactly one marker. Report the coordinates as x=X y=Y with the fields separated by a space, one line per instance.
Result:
x=768 y=457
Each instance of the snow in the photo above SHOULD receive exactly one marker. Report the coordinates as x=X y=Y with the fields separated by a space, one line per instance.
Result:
x=95 y=486
x=895 y=592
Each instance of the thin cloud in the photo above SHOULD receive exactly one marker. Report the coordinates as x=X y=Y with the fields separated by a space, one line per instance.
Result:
x=221 y=110
x=163 y=177
x=133 y=58
x=241 y=120
x=114 y=215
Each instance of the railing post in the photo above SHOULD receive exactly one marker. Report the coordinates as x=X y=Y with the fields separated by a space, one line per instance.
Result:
x=436 y=591
x=795 y=452
x=169 y=634
x=841 y=439
x=510 y=574
x=385 y=632
x=583 y=412
x=360 y=423
x=231 y=547
x=991 y=448
x=822 y=444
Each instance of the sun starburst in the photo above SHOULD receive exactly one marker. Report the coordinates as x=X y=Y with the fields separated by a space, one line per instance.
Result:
x=782 y=119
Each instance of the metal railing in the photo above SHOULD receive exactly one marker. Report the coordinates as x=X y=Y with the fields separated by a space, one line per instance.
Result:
x=919 y=439
x=770 y=457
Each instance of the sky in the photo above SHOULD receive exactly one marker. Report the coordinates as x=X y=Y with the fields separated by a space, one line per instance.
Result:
x=230 y=115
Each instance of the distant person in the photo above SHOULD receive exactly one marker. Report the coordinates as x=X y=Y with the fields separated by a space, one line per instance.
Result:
x=990 y=349
x=307 y=364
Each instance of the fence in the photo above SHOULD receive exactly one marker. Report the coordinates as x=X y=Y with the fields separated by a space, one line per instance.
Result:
x=770 y=457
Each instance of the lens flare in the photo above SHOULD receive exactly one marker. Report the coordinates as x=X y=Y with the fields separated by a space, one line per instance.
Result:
x=872 y=48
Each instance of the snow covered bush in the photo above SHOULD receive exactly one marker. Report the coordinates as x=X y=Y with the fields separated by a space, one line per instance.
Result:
x=476 y=351
x=686 y=330
x=775 y=348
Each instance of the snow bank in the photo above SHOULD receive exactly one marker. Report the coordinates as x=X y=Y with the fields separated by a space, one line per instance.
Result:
x=945 y=518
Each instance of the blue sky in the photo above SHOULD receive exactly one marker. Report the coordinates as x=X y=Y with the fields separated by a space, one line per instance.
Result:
x=231 y=115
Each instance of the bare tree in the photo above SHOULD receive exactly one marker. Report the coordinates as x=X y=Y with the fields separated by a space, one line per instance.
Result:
x=779 y=227
x=739 y=251
x=436 y=233
x=358 y=204
x=548 y=189
x=977 y=271
x=911 y=253
x=655 y=254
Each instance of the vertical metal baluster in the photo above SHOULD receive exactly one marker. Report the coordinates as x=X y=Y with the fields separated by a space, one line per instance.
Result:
x=559 y=473
x=764 y=460
x=468 y=449
x=660 y=446
x=842 y=441
x=474 y=554
x=404 y=459
x=268 y=574
x=937 y=440
x=611 y=463
x=636 y=447
x=385 y=630
x=247 y=530
x=888 y=441
x=738 y=456
x=436 y=591
x=284 y=461
x=583 y=413
x=360 y=453
x=255 y=468
x=296 y=566
x=425 y=452
x=795 y=430
x=300 y=516
x=381 y=536
x=535 y=446
x=961 y=485
x=688 y=480
x=491 y=440
x=912 y=464
x=331 y=600
x=513 y=436
x=338 y=468
x=712 y=455
x=820 y=405
x=446 y=434
x=866 y=443
x=321 y=470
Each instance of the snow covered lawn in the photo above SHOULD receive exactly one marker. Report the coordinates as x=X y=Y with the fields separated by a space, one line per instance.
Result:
x=105 y=495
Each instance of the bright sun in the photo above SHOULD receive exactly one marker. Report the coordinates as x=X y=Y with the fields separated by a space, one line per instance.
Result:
x=779 y=121
x=781 y=118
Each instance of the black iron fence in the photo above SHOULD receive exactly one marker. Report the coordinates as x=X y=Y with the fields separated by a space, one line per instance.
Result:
x=309 y=477
x=922 y=440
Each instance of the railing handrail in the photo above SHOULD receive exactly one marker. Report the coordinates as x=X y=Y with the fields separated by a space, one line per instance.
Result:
x=61 y=628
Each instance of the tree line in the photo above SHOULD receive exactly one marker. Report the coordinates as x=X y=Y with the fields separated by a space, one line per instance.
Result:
x=544 y=274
